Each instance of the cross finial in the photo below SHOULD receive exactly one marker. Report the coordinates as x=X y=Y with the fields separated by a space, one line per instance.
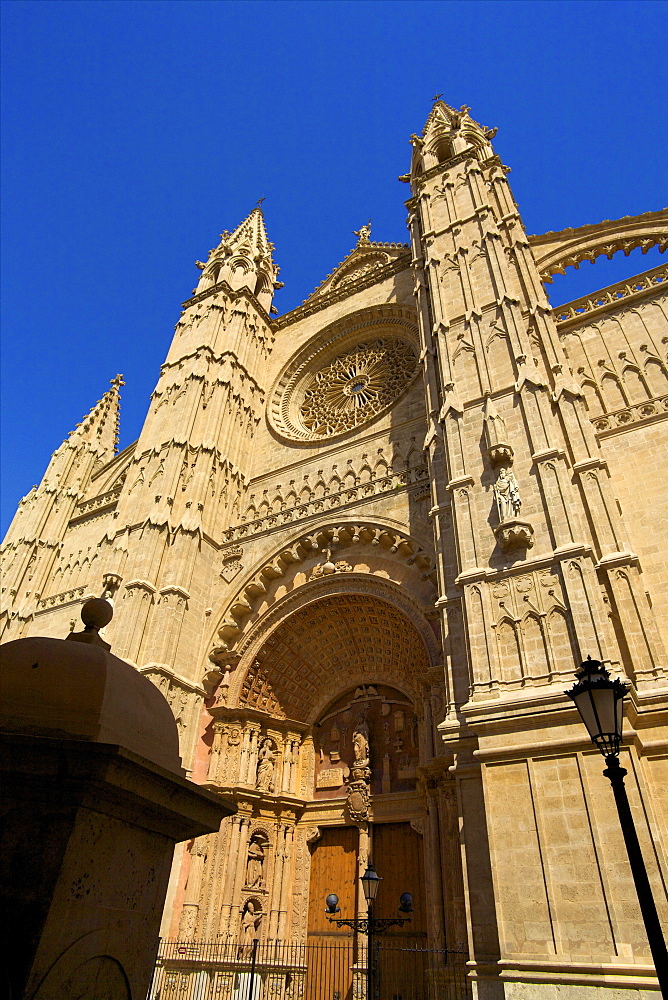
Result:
x=259 y=201
x=118 y=381
x=437 y=97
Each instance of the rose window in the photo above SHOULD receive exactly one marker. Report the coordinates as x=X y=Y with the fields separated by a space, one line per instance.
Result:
x=346 y=375
x=357 y=386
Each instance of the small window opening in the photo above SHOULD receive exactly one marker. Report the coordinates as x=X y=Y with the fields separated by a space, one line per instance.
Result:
x=443 y=150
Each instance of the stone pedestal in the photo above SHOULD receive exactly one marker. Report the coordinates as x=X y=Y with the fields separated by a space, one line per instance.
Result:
x=88 y=828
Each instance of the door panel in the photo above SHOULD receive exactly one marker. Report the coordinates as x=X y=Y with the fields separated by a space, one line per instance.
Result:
x=333 y=869
x=398 y=859
x=332 y=951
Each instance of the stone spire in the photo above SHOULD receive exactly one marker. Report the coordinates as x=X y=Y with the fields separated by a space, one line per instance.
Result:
x=99 y=428
x=243 y=259
x=36 y=532
x=91 y=443
x=446 y=133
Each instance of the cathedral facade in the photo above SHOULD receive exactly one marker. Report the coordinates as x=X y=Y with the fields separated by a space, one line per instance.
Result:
x=362 y=547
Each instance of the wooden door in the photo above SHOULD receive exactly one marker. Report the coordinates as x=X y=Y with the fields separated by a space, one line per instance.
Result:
x=332 y=951
x=398 y=859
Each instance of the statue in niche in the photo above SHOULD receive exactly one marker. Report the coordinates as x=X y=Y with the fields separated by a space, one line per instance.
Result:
x=254 y=866
x=251 y=918
x=361 y=743
x=358 y=789
x=265 y=767
x=507 y=493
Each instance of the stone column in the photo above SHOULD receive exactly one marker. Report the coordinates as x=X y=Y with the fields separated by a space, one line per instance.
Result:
x=239 y=864
x=286 y=883
x=228 y=889
x=190 y=911
x=453 y=894
x=433 y=872
x=277 y=881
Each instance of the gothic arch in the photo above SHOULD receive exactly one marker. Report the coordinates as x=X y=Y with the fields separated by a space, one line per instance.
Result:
x=403 y=554
x=374 y=597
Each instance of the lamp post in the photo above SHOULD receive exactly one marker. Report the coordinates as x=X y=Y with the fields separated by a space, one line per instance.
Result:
x=370 y=925
x=600 y=702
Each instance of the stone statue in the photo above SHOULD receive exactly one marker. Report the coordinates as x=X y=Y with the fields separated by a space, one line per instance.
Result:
x=361 y=743
x=254 y=879
x=265 y=767
x=363 y=234
x=507 y=493
x=250 y=923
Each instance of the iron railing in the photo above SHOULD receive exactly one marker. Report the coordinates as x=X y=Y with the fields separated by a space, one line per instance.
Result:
x=324 y=969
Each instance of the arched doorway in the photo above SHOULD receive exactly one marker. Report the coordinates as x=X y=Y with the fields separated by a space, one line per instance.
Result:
x=325 y=736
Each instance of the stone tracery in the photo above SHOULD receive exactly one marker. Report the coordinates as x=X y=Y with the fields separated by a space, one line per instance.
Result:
x=357 y=386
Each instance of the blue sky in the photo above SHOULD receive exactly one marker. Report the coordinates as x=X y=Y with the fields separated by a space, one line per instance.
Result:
x=135 y=132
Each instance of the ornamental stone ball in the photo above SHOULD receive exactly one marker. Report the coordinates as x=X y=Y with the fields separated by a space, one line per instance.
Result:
x=96 y=613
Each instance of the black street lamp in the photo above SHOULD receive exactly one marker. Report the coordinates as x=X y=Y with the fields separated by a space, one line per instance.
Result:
x=370 y=925
x=600 y=702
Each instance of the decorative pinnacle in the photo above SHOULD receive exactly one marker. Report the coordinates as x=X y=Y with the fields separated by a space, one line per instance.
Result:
x=117 y=382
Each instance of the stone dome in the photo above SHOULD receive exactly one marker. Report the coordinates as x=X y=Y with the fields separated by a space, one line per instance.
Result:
x=73 y=690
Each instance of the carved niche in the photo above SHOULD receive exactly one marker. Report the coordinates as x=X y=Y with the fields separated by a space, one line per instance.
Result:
x=366 y=743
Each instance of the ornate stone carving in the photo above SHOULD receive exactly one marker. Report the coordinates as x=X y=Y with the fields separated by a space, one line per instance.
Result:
x=358 y=800
x=511 y=532
x=514 y=534
x=355 y=621
x=231 y=562
x=242 y=605
x=357 y=386
x=358 y=790
x=328 y=567
x=251 y=919
x=352 y=372
x=255 y=863
x=363 y=234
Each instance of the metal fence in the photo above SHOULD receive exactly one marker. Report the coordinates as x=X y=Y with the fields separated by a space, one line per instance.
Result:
x=334 y=969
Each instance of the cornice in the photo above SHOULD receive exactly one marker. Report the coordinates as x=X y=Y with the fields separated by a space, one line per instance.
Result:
x=468 y=154
x=357 y=496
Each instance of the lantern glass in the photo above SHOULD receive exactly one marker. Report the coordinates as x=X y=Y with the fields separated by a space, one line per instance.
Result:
x=600 y=702
x=370 y=882
x=585 y=706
